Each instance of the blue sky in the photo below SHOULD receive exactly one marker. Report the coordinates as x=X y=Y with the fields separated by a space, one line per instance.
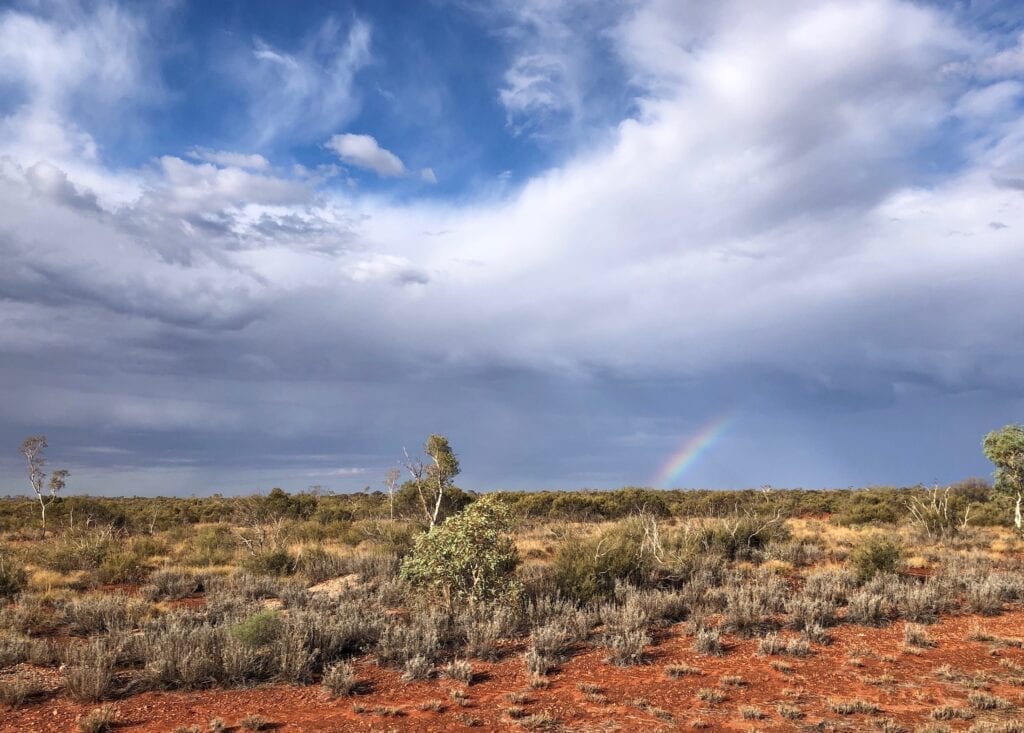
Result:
x=257 y=244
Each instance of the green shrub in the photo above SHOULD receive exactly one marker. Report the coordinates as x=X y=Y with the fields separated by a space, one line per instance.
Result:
x=214 y=545
x=13 y=577
x=123 y=566
x=317 y=565
x=874 y=556
x=470 y=557
x=275 y=562
x=590 y=568
x=259 y=629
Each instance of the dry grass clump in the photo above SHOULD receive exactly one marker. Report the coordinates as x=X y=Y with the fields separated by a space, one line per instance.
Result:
x=675 y=671
x=915 y=635
x=709 y=642
x=100 y=720
x=254 y=723
x=89 y=672
x=853 y=707
x=984 y=701
x=710 y=695
x=340 y=679
x=774 y=644
x=950 y=712
x=15 y=692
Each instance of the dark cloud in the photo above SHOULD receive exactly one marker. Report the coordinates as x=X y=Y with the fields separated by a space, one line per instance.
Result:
x=765 y=243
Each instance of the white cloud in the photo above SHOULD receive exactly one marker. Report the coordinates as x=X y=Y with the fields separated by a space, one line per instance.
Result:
x=552 y=86
x=227 y=158
x=51 y=181
x=772 y=208
x=307 y=92
x=92 y=62
x=363 y=151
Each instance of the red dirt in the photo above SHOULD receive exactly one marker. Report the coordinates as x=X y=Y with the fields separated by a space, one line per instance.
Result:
x=636 y=696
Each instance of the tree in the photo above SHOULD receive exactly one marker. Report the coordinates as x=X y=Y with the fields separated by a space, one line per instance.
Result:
x=32 y=448
x=470 y=557
x=1005 y=448
x=391 y=482
x=434 y=479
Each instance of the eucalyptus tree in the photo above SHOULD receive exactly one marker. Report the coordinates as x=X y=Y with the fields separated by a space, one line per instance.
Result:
x=1005 y=448
x=33 y=448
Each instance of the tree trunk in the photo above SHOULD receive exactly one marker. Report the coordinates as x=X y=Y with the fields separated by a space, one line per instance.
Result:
x=42 y=511
x=1017 y=520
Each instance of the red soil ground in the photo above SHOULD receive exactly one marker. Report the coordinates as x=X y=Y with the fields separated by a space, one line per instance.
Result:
x=866 y=664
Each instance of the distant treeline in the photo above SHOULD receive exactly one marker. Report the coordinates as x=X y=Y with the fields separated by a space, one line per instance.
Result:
x=880 y=504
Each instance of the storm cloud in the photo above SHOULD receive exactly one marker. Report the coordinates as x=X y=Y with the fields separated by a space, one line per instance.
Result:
x=807 y=217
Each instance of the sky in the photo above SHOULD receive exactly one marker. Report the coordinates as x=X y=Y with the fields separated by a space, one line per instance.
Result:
x=649 y=242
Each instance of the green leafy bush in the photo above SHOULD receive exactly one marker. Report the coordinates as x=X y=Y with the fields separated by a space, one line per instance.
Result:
x=259 y=629
x=874 y=556
x=470 y=557
x=590 y=568
x=274 y=562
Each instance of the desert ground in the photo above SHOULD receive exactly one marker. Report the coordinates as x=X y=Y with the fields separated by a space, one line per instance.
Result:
x=752 y=611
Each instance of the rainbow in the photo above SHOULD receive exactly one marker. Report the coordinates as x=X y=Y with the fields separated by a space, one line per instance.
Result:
x=691 y=450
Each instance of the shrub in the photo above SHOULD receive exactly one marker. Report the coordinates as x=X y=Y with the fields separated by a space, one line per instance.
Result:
x=100 y=720
x=121 y=566
x=173 y=584
x=875 y=556
x=806 y=612
x=318 y=565
x=418 y=668
x=294 y=656
x=253 y=722
x=260 y=629
x=675 y=671
x=867 y=608
x=214 y=545
x=751 y=603
x=89 y=674
x=469 y=558
x=590 y=568
x=93 y=614
x=626 y=646
x=13 y=577
x=984 y=701
x=340 y=679
x=14 y=692
x=458 y=669
x=708 y=641
x=272 y=562
x=915 y=635
x=400 y=642
x=853 y=707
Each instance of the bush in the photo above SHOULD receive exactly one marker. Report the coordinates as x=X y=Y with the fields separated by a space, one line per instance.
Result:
x=260 y=629
x=708 y=641
x=123 y=566
x=90 y=670
x=91 y=614
x=468 y=558
x=275 y=562
x=876 y=556
x=173 y=584
x=626 y=646
x=588 y=569
x=318 y=565
x=340 y=679
x=13 y=577
x=100 y=720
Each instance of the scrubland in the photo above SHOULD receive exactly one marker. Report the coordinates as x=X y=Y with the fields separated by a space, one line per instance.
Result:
x=876 y=609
